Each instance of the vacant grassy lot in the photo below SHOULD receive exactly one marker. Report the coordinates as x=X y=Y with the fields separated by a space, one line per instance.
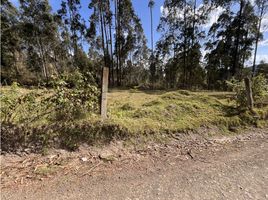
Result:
x=133 y=113
x=177 y=111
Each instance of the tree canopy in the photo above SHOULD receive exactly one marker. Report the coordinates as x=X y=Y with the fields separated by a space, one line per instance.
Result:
x=38 y=44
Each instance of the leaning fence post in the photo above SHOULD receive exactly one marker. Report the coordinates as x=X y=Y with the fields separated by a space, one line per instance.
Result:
x=104 y=91
x=249 y=93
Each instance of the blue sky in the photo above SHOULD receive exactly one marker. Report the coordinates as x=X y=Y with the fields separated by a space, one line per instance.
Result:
x=142 y=10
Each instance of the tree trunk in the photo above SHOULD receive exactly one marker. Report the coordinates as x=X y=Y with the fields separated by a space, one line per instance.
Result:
x=152 y=35
x=184 y=48
x=119 y=41
x=116 y=42
x=237 y=41
x=257 y=38
x=111 y=49
x=45 y=71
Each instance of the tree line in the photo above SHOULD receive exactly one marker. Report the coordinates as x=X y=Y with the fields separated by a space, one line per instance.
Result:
x=38 y=44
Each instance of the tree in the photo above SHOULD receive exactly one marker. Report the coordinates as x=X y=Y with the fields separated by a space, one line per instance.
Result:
x=151 y=5
x=130 y=37
x=102 y=18
x=262 y=7
x=10 y=41
x=39 y=31
x=181 y=34
x=69 y=14
x=230 y=41
x=152 y=64
x=262 y=68
x=127 y=45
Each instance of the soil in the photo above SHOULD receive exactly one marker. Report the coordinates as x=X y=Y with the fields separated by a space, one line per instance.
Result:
x=189 y=167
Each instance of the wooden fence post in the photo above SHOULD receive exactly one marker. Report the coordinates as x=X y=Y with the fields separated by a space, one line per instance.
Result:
x=249 y=93
x=104 y=91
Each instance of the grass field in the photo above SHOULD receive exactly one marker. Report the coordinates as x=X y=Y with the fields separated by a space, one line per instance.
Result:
x=134 y=113
x=177 y=111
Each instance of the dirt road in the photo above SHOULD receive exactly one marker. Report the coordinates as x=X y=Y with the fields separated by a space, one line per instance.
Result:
x=234 y=170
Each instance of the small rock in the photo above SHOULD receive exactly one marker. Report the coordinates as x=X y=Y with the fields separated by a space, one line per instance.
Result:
x=27 y=150
x=84 y=159
x=107 y=156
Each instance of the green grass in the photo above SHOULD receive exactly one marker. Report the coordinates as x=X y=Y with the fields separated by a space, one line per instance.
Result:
x=175 y=111
x=142 y=115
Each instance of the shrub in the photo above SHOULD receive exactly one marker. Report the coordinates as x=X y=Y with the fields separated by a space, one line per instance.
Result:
x=62 y=103
x=17 y=107
x=76 y=102
x=259 y=90
x=9 y=103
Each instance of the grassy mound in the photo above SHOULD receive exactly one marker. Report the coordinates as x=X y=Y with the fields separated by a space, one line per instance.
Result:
x=135 y=114
x=178 y=111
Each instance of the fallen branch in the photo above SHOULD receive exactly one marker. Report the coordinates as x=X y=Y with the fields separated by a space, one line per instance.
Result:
x=92 y=168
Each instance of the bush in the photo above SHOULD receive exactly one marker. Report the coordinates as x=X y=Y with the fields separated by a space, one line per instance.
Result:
x=16 y=107
x=62 y=103
x=259 y=90
x=76 y=102
x=9 y=103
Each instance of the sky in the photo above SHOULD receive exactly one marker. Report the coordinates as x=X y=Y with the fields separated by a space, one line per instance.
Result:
x=142 y=10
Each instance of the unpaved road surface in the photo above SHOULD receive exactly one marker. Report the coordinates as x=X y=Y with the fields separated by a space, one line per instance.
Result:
x=232 y=170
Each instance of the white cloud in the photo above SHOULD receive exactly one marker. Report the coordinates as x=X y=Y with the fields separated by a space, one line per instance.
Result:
x=204 y=52
x=164 y=11
x=213 y=17
x=263 y=43
x=259 y=58
x=252 y=2
x=264 y=24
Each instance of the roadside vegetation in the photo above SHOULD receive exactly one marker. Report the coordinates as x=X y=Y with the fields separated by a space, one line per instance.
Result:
x=64 y=117
x=57 y=61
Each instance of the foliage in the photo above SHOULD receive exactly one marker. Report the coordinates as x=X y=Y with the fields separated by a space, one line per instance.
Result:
x=259 y=90
x=262 y=68
x=38 y=44
x=18 y=108
x=9 y=104
x=76 y=102
x=60 y=103
x=133 y=115
x=230 y=41
x=180 y=43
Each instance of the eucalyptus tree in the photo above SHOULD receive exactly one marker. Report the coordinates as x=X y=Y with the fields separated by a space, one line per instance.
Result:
x=261 y=10
x=101 y=30
x=181 y=34
x=39 y=33
x=152 y=59
x=151 y=6
x=73 y=24
x=230 y=41
x=10 y=41
x=127 y=44
x=130 y=37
